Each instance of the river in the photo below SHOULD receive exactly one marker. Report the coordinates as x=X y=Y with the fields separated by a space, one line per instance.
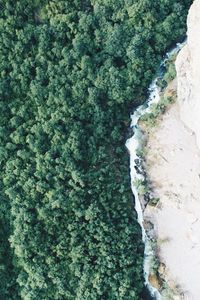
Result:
x=133 y=144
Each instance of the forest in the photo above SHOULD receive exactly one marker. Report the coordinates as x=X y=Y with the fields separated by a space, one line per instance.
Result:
x=71 y=72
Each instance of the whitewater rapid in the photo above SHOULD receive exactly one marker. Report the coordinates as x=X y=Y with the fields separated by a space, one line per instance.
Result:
x=134 y=144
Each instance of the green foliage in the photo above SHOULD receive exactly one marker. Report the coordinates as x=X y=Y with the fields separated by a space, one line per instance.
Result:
x=68 y=81
x=141 y=187
x=141 y=152
x=154 y=201
x=150 y=119
x=170 y=73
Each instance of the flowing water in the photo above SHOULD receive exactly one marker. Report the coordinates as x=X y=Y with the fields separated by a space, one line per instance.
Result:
x=134 y=144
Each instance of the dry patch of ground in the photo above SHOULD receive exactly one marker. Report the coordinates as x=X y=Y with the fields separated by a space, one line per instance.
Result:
x=173 y=167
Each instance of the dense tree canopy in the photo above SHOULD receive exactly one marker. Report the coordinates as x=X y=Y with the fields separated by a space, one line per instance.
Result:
x=71 y=73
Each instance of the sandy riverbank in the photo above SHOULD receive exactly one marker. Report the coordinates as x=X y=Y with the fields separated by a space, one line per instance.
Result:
x=173 y=167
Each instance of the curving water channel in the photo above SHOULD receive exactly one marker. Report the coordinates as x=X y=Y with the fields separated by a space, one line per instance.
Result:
x=133 y=144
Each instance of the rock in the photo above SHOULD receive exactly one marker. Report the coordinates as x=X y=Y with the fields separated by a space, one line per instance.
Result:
x=149 y=228
x=148 y=225
x=162 y=269
x=153 y=279
x=172 y=285
x=188 y=73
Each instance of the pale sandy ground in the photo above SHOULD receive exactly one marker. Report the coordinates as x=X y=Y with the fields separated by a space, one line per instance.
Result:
x=173 y=165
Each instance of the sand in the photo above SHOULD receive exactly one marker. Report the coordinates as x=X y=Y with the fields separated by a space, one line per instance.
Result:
x=173 y=167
